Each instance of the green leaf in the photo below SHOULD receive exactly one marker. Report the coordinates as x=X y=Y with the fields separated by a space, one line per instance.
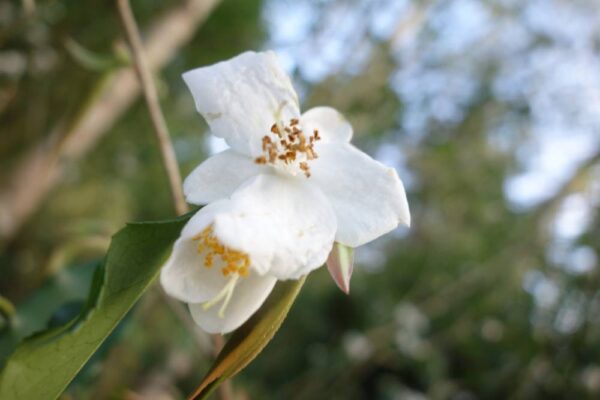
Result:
x=43 y=365
x=251 y=338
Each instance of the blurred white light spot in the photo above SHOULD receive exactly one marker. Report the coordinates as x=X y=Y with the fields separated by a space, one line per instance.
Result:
x=492 y=330
x=582 y=260
x=573 y=217
x=544 y=291
x=570 y=315
x=357 y=346
x=409 y=317
x=590 y=378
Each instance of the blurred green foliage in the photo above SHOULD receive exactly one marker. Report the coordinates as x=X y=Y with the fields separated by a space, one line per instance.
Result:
x=467 y=304
x=46 y=362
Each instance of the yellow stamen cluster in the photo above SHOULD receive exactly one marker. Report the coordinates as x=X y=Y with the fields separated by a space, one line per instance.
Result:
x=290 y=142
x=235 y=262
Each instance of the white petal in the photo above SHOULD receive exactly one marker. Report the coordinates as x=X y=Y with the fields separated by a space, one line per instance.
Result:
x=219 y=176
x=331 y=124
x=184 y=275
x=248 y=295
x=368 y=197
x=285 y=224
x=241 y=98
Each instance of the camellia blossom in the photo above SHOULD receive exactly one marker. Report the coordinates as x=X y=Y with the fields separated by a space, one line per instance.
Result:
x=290 y=186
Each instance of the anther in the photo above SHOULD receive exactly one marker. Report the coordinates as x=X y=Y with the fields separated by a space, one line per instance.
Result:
x=236 y=262
x=286 y=148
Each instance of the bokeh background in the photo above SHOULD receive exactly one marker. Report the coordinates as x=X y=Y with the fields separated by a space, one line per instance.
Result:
x=489 y=110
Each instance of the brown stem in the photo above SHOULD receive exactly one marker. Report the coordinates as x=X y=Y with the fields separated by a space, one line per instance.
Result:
x=160 y=127
x=150 y=95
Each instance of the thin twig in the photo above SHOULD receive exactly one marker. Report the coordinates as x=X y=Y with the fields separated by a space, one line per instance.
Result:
x=151 y=97
x=162 y=133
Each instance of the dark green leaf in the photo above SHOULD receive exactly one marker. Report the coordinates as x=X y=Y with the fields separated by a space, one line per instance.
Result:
x=251 y=338
x=43 y=365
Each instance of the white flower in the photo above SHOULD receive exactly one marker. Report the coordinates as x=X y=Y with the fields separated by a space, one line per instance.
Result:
x=232 y=251
x=289 y=187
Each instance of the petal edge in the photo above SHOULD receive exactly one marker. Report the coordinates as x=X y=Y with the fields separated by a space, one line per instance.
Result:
x=368 y=198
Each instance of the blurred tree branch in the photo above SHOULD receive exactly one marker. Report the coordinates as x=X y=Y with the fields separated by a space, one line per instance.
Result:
x=40 y=169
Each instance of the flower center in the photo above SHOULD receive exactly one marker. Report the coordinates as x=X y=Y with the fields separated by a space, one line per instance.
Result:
x=234 y=261
x=289 y=145
x=235 y=264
